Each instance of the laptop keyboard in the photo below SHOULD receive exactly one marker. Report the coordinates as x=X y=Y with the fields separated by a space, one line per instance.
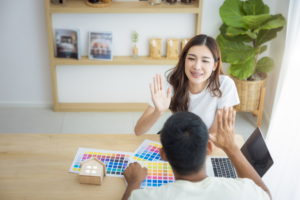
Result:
x=223 y=168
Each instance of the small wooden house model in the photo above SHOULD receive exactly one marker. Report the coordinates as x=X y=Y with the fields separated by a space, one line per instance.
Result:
x=92 y=171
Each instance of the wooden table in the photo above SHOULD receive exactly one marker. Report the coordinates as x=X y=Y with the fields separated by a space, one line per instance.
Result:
x=36 y=166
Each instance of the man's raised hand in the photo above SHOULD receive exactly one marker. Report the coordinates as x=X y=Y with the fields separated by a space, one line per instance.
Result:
x=224 y=137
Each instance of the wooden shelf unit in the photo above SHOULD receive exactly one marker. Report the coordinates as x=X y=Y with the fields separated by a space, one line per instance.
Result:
x=117 y=60
x=79 y=6
x=102 y=107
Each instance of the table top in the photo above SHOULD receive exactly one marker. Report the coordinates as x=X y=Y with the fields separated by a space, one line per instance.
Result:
x=36 y=166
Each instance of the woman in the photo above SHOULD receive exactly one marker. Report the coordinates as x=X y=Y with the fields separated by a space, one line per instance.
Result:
x=197 y=84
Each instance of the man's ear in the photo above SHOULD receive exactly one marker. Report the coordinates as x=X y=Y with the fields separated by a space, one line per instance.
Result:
x=210 y=148
x=162 y=154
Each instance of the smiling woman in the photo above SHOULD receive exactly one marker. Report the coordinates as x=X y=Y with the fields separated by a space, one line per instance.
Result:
x=196 y=84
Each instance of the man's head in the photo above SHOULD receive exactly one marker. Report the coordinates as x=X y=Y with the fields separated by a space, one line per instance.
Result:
x=184 y=138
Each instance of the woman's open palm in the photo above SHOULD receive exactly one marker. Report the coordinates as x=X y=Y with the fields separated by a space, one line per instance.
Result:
x=160 y=100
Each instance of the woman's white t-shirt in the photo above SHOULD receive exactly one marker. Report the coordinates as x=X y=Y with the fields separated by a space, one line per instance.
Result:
x=205 y=105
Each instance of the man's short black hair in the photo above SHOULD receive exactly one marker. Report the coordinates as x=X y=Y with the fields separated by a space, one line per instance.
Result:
x=184 y=138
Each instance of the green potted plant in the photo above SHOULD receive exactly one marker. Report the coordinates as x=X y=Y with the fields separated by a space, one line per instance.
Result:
x=247 y=26
x=135 y=39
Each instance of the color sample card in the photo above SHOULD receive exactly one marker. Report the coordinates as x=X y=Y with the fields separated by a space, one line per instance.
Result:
x=147 y=151
x=115 y=161
x=159 y=173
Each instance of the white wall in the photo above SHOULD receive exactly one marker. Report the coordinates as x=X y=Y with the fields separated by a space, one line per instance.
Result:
x=25 y=71
x=24 y=67
x=276 y=53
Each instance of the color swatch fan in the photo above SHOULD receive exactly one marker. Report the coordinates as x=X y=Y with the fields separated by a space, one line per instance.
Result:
x=147 y=151
x=115 y=161
x=159 y=173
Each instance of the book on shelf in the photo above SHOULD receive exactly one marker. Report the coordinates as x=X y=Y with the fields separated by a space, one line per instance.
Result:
x=67 y=42
x=100 y=45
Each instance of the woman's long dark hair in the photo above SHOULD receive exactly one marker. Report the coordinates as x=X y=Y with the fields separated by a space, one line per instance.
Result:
x=180 y=82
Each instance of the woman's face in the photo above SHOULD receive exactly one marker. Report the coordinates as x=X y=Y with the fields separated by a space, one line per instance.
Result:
x=199 y=64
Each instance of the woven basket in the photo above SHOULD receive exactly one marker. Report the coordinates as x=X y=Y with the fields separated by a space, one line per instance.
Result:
x=249 y=93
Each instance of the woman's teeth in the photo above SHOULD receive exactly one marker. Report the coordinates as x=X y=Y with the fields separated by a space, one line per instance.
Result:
x=196 y=74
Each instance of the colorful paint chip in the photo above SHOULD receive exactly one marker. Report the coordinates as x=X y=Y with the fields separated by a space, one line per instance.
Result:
x=155 y=178
x=147 y=151
x=115 y=161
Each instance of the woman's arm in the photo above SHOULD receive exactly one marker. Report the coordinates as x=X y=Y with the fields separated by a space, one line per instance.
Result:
x=147 y=120
x=161 y=104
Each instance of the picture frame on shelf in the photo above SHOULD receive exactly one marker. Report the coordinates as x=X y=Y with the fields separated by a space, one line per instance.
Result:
x=101 y=45
x=67 y=43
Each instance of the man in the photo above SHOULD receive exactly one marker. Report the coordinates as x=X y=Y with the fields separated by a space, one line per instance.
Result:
x=185 y=144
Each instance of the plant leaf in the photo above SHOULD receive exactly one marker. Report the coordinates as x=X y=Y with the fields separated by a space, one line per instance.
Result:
x=272 y=24
x=238 y=38
x=231 y=31
x=243 y=70
x=253 y=21
x=229 y=46
x=265 y=65
x=263 y=49
x=255 y=7
x=266 y=35
x=241 y=56
x=231 y=13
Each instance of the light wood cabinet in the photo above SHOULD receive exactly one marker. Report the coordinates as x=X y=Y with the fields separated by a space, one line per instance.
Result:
x=79 y=6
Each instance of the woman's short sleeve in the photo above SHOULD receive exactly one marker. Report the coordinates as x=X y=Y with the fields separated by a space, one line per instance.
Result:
x=230 y=96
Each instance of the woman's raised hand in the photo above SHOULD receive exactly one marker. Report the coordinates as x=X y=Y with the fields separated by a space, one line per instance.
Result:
x=160 y=100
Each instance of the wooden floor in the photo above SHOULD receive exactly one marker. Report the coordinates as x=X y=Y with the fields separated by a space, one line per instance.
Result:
x=44 y=120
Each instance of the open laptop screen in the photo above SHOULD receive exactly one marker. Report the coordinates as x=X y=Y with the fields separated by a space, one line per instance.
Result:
x=256 y=152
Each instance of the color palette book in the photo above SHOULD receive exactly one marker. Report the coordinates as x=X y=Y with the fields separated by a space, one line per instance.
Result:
x=147 y=151
x=159 y=173
x=115 y=161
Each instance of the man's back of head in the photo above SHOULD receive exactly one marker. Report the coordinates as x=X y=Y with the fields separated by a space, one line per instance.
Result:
x=184 y=138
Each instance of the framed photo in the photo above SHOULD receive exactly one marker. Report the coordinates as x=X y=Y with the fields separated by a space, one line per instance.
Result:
x=67 y=43
x=100 y=45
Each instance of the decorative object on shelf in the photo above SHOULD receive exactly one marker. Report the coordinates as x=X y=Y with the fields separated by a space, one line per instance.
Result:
x=186 y=2
x=172 y=49
x=100 y=45
x=55 y=2
x=184 y=42
x=155 y=2
x=59 y=2
x=135 y=39
x=93 y=1
x=244 y=24
x=155 y=48
x=103 y=3
x=171 y=2
x=67 y=43
x=92 y=171
x=64 y=3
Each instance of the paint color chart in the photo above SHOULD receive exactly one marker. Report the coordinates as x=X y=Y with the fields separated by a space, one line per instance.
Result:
x=115 y=161
x=159 y=173
x=147 y=151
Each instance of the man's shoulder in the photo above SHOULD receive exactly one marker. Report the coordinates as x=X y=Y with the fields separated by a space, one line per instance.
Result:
x=210 y=188
x=150 y=193
x=241 y=187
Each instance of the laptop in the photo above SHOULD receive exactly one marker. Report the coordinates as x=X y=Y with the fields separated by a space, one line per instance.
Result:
x=255 y=151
